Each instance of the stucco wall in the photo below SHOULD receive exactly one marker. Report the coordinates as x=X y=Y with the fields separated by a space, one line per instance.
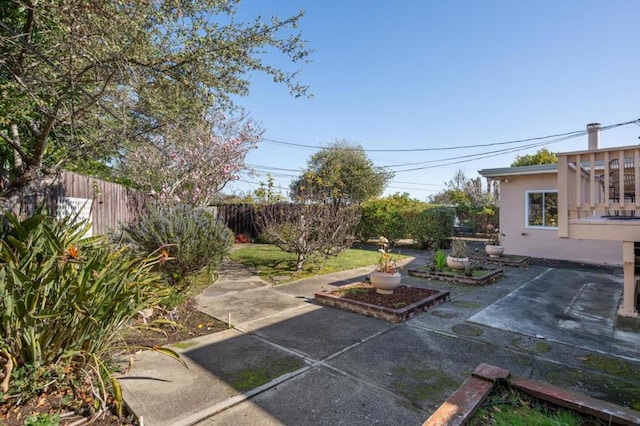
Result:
x=545 y=243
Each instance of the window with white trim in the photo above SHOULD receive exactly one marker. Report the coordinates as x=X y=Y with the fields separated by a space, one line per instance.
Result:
x=542 y=209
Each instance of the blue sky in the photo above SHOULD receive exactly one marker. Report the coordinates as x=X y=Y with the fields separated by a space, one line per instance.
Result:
x=427 y=74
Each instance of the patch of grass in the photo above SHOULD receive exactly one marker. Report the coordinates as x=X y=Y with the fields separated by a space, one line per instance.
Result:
x=194 y=284
x=506 y=406
x=273 y=262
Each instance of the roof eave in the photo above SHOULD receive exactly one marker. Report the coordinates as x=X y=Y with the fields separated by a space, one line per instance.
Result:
x=519 y=171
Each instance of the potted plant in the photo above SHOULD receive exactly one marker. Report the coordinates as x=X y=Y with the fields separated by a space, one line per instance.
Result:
x=458 y=258
x=494 y=247
x=386 y=276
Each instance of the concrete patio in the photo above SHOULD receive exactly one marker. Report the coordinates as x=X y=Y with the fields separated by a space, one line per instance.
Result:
x=324 y=366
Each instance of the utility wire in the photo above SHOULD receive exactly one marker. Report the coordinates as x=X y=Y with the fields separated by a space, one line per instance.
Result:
x=575 y=133
x=485 y=154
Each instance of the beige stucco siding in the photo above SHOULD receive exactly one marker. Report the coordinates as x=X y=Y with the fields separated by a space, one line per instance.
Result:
x=545 y=243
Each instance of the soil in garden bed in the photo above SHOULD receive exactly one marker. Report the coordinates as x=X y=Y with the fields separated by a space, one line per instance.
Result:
x=480 y=276
x=189 y=323
x=401 y=297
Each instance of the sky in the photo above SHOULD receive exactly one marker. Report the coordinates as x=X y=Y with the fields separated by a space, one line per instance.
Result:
x=424 y=74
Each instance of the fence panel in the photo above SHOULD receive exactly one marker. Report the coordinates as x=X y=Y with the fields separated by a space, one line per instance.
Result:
x=111 y=204
x=240 y=218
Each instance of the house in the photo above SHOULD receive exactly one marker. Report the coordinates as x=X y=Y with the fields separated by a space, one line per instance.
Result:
x=573 y=210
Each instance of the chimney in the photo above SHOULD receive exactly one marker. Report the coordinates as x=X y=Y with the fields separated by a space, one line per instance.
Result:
x=593 y=132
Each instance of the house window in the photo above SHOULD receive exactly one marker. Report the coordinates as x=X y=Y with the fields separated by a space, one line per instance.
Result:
x=542 y=209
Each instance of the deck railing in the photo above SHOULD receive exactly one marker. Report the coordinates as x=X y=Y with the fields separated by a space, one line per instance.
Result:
x=601 y=183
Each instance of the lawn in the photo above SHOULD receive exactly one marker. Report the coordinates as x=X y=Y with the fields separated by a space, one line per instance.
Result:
x=278 y=266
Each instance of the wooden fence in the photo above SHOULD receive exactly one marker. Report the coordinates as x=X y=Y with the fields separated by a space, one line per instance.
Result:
x=112 y=204
x=244 y=218
x=240 y=218
x=106 y=204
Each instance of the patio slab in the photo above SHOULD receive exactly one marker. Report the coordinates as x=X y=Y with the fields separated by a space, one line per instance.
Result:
x=317 y=331
x=247 y=305
x=163 y=392
x=400 y=372
x=422 y=366
x=322 y=396
x=309 y=286
x=568 y=306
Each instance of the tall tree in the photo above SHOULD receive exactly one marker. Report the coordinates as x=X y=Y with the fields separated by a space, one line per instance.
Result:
x=345 y=172
x=460 y=190
x=542 y=156
x=83 y=82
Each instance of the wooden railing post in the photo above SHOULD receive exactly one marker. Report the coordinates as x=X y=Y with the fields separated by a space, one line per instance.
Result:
x=563 y=195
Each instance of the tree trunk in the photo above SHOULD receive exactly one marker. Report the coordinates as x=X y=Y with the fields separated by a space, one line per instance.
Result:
x=23 y=195
x=300 y=261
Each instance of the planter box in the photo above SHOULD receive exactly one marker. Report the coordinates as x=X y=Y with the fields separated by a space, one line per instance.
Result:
x=505 y=259
x=491 y=276
x=382 y=312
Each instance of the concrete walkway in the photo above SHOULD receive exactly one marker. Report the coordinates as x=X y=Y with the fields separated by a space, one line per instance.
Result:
x=290 y=361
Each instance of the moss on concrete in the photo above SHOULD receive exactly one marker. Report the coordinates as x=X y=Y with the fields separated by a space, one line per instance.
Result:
x=420 y=384
x=617 y=389
x=615 y=366
x=628 y=324
x=467 y=330
x=267 y=370
x=531 y=345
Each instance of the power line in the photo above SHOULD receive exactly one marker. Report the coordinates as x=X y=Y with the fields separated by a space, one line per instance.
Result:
x=412 y=189
x=575 y=133
x=419 y=183
x=473 y=157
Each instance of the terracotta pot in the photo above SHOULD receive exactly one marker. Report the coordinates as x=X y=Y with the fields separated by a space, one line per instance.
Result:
x=493 y=250
x=385 y=282
x=457 y=263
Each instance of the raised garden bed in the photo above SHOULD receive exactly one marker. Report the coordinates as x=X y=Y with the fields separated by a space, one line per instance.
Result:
x=461 y=407
x=480 y=276
x=504 y=260
x=404 y=303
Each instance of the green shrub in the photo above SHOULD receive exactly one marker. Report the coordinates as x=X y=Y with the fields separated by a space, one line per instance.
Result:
x=432 y=227
x=191 y=237
x=388 y=217
x=63 y=297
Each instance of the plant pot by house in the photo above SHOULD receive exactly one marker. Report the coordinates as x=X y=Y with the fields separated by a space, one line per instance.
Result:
x=494 y=250
x=457 y=263
x=385 y=282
